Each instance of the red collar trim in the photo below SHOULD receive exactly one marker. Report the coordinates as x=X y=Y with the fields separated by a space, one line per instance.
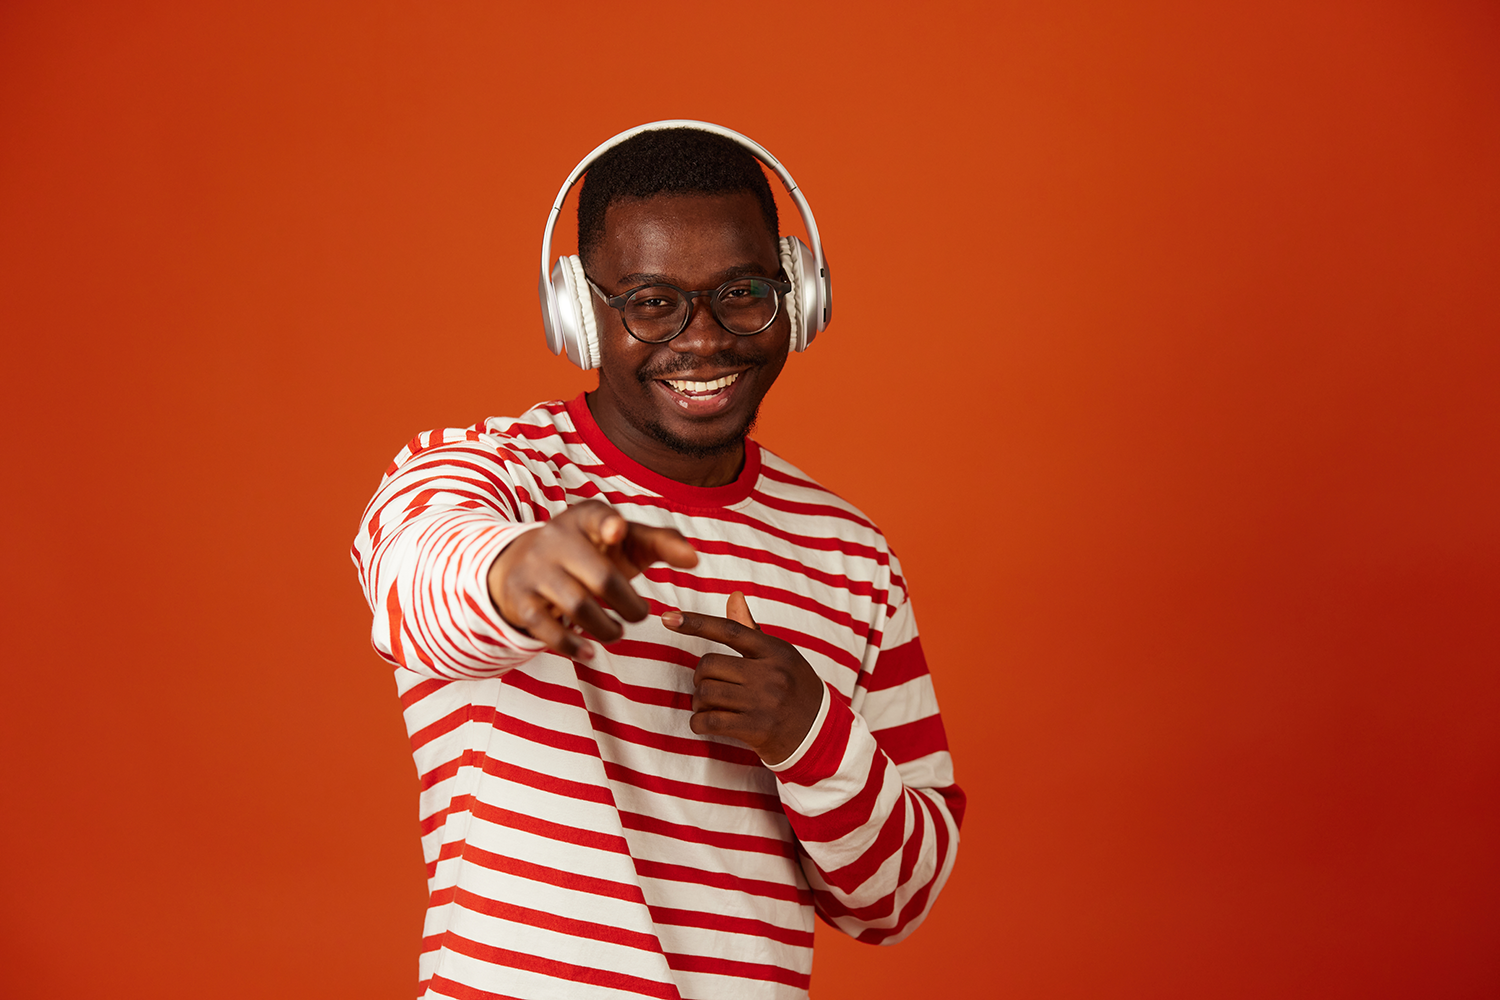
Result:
x=670 y=489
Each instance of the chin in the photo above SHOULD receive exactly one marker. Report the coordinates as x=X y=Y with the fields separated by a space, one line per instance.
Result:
x=707 y=445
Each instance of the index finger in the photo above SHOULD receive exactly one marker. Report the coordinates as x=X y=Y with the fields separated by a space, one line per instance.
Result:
x=740 y=638
x=645 y=545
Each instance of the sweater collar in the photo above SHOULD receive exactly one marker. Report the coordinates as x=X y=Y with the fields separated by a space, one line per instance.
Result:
x=669 y=489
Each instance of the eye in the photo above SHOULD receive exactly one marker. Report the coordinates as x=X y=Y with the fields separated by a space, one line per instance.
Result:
x=745 y=292
x=656 y=299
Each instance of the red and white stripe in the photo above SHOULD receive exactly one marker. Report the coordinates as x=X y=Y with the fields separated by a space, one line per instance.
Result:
x=581 y=840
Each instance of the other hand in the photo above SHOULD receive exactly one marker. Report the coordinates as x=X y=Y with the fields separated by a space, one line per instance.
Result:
x=556 y=581
x=767 y=697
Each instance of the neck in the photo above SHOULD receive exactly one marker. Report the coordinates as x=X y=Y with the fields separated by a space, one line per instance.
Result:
x=692 y=467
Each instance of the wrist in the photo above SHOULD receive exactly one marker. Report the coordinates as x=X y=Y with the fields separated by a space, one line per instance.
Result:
x=809 y=737
x=500 y=568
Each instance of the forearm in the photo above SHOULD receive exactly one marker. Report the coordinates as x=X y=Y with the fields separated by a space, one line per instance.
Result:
x=878 y=838
x=432 y=610
x=423 y=553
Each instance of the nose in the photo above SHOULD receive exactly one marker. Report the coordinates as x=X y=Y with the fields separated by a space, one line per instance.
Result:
x=704 y=334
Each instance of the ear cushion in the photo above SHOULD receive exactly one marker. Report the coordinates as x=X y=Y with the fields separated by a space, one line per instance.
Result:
x=583 y=301
x=804 y=306
x=791 y=266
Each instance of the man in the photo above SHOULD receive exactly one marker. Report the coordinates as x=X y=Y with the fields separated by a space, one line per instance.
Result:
x=655 y=808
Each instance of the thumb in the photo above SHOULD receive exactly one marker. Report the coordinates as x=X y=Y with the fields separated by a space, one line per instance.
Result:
x=738 y=610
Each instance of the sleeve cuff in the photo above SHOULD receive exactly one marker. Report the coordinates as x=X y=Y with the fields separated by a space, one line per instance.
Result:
x=811 y=737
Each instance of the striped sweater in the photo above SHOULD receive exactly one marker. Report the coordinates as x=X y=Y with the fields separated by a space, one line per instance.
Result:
x=580 y=839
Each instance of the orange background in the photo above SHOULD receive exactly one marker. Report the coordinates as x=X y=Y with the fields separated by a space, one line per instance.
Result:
x=1166 y=350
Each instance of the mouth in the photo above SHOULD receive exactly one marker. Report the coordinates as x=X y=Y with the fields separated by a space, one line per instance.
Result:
x=700 y=390
x=701 y=397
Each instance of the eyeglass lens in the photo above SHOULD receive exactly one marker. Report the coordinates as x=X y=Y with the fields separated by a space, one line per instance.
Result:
x=659 y=312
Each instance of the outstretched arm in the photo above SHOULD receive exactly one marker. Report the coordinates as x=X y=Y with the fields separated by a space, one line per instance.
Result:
x=468 y=576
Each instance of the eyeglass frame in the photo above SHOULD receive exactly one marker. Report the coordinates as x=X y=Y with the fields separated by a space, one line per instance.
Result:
x=618 y=302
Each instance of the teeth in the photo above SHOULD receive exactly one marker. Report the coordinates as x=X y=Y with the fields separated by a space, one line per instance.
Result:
x=683 y=385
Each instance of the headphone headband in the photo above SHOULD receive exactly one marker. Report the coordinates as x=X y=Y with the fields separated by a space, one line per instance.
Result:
x=561 y=330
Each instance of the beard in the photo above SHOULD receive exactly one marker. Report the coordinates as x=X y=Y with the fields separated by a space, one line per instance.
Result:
x=702 y=449
x=727 y=442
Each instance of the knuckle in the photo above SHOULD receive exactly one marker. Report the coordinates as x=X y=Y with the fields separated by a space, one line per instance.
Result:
x=531 y=614
x=594 y=574
x=712 y=722
x=571 y=601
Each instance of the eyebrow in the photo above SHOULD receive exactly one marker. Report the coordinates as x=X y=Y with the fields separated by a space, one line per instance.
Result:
x=638 y=278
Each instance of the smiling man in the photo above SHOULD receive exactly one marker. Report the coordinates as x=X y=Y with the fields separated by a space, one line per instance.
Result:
x=665 y=693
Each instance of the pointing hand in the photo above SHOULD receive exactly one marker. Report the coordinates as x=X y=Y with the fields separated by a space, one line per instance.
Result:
x=556 y=581
x=766 y=697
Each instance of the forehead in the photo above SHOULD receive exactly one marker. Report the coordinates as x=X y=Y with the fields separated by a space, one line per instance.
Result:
x=686 y=238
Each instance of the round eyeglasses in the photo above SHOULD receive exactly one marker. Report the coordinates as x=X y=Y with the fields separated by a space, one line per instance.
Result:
x=654 y=314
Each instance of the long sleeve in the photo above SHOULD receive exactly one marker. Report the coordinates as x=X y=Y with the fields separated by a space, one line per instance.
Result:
x=871 y=797
x=450 y=501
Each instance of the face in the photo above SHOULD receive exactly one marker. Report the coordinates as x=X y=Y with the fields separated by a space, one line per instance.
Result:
x=683 y=408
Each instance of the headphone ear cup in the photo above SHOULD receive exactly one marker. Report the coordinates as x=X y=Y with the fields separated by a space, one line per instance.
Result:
x=576 y=329
x=791 y=266
x=802 y=307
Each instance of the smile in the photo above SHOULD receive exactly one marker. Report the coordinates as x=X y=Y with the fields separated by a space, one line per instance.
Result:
x=698 y=390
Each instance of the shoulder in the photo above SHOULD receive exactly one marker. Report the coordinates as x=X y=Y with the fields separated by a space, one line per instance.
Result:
x=832 y=535
x=813 y=511
x=537 y=436
x=546 y=427
x=783 y=486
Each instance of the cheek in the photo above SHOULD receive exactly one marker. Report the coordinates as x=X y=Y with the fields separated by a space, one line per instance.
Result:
x=621 y=360
x=773 y=371
x=780 y=347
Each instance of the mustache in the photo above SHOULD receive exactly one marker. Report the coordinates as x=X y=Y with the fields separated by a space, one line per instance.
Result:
x=687 y=362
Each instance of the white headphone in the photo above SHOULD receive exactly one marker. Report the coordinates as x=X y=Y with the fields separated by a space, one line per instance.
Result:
x=567 y=303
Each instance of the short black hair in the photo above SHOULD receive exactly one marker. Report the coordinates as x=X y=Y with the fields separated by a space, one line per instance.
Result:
x=668 y=161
